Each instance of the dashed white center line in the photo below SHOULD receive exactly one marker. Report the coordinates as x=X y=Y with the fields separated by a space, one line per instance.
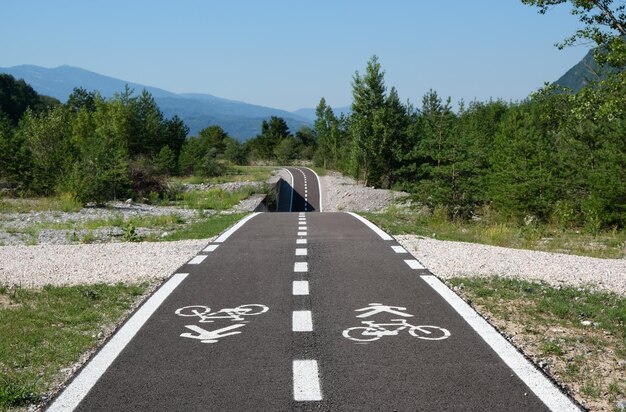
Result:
x=414 y=264
x=197 y=260
x=301 y=241
x=300 y=287
x=302 y=321
x=301 y=267
x=301 y=233
x=301 y=252
x=211 y=248
x=306 y=381
x=399 y=249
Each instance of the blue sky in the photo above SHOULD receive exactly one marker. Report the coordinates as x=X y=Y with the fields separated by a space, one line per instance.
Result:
x=288 y=54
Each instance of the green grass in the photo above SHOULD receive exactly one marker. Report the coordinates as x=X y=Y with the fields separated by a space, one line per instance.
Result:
x=548 y=321
x=44 y=331
x=491 y=229
x=61 y=203
x=215 y=199
x=209 y=227
x=234 y=174
x=319 y=170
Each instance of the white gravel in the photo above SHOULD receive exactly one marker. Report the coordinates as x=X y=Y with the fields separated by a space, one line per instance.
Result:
x=342 y=194
x=448 y=259
x=36 y=266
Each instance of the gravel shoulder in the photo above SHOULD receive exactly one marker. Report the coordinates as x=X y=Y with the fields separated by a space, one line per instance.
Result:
x=36 y=266
x=448 y=259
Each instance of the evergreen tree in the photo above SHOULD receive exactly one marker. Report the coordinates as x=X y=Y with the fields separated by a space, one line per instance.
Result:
x=368 y=97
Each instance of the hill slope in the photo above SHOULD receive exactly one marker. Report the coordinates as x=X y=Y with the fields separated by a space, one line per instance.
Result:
x=240 y=120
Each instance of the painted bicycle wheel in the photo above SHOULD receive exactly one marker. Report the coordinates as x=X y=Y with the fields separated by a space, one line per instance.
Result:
x=195 y=310
x=429 y=332
x=358 y=333
x=251 y=309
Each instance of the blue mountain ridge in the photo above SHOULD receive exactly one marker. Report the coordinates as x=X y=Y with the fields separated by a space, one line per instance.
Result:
x=240 y=120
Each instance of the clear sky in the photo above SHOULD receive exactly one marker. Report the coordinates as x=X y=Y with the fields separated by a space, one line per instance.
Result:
x=287 y=54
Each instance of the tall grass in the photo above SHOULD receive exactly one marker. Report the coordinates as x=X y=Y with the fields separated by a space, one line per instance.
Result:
x=492 y=229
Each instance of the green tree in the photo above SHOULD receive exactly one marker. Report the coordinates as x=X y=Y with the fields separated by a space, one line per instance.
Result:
x=604 y=23
x=102 y=172
x=165 y=161
x=368 y=97
x=273 y=131
x=47 y=137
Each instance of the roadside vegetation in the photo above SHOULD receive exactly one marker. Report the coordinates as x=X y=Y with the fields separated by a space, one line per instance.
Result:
x=43 y=333
x=575 y=335
x=490 y=228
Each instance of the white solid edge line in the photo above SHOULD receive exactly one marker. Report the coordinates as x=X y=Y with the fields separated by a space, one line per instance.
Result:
x=292 y=183
x=75 y=392
x=233 y=229
x=300 y=287
x=197 y=260
x=319 y=187
x=542 y=387
x=301 y=321
x=306 y=381
x=372 y=226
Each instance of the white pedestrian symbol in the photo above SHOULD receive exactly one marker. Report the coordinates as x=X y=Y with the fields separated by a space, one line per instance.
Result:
x=376 y=308
x=204 y=315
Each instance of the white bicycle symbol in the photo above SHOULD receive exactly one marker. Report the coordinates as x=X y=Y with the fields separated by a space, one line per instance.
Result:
x=374 y=331
x=234 y=314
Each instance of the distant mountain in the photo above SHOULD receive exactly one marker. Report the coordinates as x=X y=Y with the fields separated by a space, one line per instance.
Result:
x=309 y=113
x=238 y=119
x=582 y=73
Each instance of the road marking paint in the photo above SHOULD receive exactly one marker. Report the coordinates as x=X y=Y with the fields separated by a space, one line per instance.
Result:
x=301 y=218
x=303 y=228
x=291 y=197
x=301 y=267
x=300 y=287
x=91 y=373
x=301 y=233
x=233 y=229
x=301 y=241
x=302 y=321
x=399 y=249
x=414 y=264
x=302 y=223
x=306 y=381
x=197 y=260
x=211 y=248
x=372 y=226
x=534 y=379
x=301 y=252
x=319 y=187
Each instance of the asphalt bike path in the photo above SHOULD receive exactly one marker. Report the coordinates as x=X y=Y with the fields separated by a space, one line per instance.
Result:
x=305 y=311
x=306 y=191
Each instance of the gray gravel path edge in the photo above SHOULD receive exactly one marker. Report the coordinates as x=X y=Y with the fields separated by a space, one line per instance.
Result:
x=58 y=265
x=448 y=259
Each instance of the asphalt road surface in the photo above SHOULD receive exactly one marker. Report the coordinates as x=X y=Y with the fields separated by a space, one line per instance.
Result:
x=306 y=311
x=304 y=194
